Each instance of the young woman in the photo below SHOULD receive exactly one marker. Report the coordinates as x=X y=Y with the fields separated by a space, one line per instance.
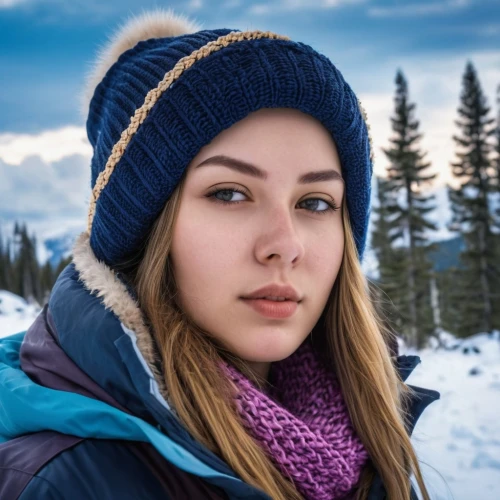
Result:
x=214 y=336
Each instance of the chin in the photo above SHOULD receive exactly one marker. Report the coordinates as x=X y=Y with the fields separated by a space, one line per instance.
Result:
x=267 y=349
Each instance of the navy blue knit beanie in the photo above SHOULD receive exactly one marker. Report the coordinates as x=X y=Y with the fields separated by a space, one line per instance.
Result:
x=163 y=89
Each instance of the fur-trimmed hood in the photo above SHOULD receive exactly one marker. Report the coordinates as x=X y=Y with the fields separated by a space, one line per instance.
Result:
x=102 y=282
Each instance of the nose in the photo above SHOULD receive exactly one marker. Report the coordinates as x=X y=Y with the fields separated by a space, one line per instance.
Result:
x=278 y=241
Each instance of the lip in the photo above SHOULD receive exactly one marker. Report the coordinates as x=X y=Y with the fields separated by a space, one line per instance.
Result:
x=275 y=290
x=273 y=308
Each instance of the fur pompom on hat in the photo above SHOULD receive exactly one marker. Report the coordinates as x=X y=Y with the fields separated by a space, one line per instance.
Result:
x=152 y=24
x=162 y=88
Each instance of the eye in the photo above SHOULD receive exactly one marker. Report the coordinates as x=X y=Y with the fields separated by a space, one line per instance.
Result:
x=326 y=206
x=225 y=197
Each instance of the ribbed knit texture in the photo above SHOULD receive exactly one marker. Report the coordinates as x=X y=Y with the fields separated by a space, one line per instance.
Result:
x=213 y=94
x=303 y=425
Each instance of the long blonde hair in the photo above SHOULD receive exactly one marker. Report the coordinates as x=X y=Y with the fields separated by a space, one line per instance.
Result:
x=349 y=333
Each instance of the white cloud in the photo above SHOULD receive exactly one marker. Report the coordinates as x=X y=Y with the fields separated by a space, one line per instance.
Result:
x=485 y=30
x=7 y=4
x=294 y=5
x=418 y=9
x=36 y=189
x=260 y=9
x=45 y=179
x=491 y=29
x=49 y=145
x=325 y=4
x=195 y=4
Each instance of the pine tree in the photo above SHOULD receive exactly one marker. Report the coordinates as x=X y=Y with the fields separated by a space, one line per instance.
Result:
x=20 y=271
x=477 y=286
x=16 y=285
x=46 y=282
x=7 y=265
x=406 y=175
x=26 y=265
x=449 y=298
x=391 y=260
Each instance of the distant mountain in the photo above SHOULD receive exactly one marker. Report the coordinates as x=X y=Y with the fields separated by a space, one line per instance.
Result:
x=449 y=245
x=445 y=256
x=58 y=246
x=447 y=253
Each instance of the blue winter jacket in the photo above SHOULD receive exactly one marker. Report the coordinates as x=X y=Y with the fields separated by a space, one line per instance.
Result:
x=82 y=415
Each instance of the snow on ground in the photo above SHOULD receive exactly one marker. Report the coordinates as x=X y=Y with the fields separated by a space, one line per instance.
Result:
x=457 y=438
x=16 y=315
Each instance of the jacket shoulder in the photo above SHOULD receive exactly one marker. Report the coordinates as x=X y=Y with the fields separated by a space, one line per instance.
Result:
x=95 y=470
x=51 y=465
x=100 y=469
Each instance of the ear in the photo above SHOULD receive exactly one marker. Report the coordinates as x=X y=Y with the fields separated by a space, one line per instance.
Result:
x=158 y=23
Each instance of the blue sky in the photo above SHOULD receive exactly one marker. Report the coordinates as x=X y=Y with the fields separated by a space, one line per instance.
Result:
x=47 y=47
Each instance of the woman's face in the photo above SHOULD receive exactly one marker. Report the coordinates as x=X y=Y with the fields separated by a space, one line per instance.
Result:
x=279 y=230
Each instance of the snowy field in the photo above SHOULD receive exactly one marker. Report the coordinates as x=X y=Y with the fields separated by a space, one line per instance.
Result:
x=457 y=438
x=15 y=314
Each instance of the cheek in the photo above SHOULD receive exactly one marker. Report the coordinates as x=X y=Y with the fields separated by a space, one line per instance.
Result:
x=205 y=254
x=325 y=255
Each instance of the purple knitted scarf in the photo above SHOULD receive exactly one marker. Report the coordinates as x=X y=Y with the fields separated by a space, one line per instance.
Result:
x=303 y=425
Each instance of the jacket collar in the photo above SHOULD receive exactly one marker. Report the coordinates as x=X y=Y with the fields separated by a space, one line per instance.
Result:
x=420 y=397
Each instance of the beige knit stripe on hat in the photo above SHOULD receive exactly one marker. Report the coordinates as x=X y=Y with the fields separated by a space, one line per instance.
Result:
x=152 y=97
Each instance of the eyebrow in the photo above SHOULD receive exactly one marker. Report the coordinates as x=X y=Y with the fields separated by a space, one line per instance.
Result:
x=249 y=169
